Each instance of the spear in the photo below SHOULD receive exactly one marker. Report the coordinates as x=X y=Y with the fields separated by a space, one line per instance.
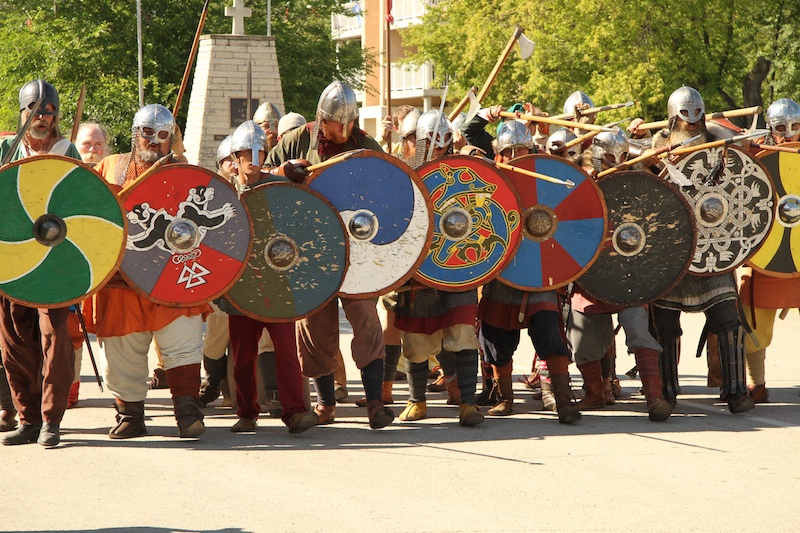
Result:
x=78 y=113
x=557 y=122
x=505 y=166
x=192 y=53
x=586 y=136
x=648 y=155
x=146 y=173
x=24 y=130
x=744 y=112
x=592 y=110
x=721 y=142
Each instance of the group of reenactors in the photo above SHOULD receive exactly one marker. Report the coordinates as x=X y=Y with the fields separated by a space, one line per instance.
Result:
x=469 y=333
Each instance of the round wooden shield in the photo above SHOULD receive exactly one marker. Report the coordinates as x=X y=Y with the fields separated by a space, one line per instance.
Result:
x=562 y=229
x=63 y=231
x=779 y=256
x=299 y=255
x=189 y=236
x=649 y=244
x=476 y=223
x=387 y=214
x=733 y=200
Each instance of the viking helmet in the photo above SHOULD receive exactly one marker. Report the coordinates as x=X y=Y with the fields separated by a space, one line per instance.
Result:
x=290 y=121
x=687 y=104
x=426 y=124
x=338 y=104
x=608 y=143
x=783 y=117
x=249 y=136
x=556 y=142
x=224 y=149
x=31 y=92
x=267 y=112
x=157 y=118
x=409 y=124
x=578 y=97
x=511 y=134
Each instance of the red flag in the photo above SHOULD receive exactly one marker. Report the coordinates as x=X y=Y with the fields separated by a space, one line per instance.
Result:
x=389 y=17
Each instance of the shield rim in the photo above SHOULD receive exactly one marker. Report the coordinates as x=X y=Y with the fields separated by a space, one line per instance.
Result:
x=772 y=273
x=512 y=249
x=334 y=294
x=599 y=247
x=111 y=272
x=610 y=231
x=664 y=173
x=141 y=292
x=414 y=176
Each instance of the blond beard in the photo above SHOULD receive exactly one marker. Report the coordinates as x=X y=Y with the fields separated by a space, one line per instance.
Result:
x=679 y=134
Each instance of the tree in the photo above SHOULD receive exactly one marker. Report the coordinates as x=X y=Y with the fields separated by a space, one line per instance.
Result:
x=71 y=42
x=630 y=50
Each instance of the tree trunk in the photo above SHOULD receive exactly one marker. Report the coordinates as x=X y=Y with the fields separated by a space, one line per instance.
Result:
x=752 y=87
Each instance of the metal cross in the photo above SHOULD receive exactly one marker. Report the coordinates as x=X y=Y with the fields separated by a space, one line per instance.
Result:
x=238 y=12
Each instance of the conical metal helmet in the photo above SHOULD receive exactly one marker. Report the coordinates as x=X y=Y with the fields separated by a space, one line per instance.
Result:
x=687 y=104
x=31 y=92
x=556 y=142
x=249 y=136
x=578 y=97
x=435 y=127
x=267 y=112
x=783 y=117
x=224 y=149
x=512 y=134
x=409 y=124
x=615 y=144
x=155 y=117
x=338 y=104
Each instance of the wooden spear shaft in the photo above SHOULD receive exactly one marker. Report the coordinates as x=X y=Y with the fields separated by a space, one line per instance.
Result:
x=78 y=114
x=744 y=112
x=492 y=75
x=568 y=184
x=144 y=174
x=557 y=122
x=192 y=54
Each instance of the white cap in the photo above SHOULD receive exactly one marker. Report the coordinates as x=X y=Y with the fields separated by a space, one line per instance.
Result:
x=290 y=121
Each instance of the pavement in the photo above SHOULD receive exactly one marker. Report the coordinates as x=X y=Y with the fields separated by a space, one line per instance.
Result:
x=702 y=470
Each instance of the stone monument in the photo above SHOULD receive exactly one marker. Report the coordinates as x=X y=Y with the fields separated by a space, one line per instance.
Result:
x=218 y=102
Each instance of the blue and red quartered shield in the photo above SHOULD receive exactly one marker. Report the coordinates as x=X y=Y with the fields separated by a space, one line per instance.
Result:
x=779 y=256
x=63 y=231
x=189 y=236
x=563 y=229
x=299 y=255
x=386 y=212
x=476 y=225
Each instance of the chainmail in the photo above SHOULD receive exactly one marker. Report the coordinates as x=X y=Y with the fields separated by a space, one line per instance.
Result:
x=699 y=293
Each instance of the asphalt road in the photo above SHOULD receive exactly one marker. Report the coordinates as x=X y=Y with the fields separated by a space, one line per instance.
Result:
x=702 y=470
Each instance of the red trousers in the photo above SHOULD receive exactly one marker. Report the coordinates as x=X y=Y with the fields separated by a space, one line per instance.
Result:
x=39 y=360
x=245 y=333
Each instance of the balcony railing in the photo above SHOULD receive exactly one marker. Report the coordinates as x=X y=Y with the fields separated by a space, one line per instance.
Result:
x=403 y=11
x=411 y=77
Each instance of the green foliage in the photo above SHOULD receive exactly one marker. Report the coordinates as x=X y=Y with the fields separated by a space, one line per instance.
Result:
x=627 y=50
x=71 y=42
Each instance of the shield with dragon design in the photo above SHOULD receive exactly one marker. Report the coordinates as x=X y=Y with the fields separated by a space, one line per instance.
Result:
x=299 y=255
x=63 y=231
x=732 y=196
x=386 y=211
x=189 y=236
x=476 y=225
x=779 y=256
x=562 y=228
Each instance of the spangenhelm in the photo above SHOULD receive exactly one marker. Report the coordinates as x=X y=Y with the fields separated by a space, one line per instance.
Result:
x=783 y=117
x=249 y=136
x=157 y=118
x=556 y=142
x=513 y=134
x=687 y=104
x=267 y=112
x=224 y=149
x=31 y=92
x=409 y=124
x=608 y=143
x=442 y=137
x=578 y=97
x=338 y=104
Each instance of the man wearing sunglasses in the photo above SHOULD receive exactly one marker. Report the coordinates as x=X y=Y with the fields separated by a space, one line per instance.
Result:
x=37 y=349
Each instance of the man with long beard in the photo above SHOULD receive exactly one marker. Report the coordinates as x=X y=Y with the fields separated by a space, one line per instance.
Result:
x=36 y=345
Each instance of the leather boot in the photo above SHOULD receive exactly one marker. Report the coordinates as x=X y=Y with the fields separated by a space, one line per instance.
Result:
x=658 y=409
x=326 y=414
x=438 y=384
x=386 y=395
x=453 y=392
x=594 y=399
x=759 y=393
x=608 y=394
x=130 y=420
x=414 y=411
x=506 y=386
x=184 y=384
x=731 y=351
x=559 y=376
x=159 y=379
x=8 y=419
x=548 y=398
x=469 y=416
x=489 y=395
x=24 y=434
x=379 y=415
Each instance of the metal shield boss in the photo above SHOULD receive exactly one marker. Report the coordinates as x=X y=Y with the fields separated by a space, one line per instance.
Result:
x=63 y=231
x=779 y=256
x=562 y=229
x=476 y=226
x=386 y=212
x=189 y=236
x=733 y=201
x=650 y=241
x=299 y=255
